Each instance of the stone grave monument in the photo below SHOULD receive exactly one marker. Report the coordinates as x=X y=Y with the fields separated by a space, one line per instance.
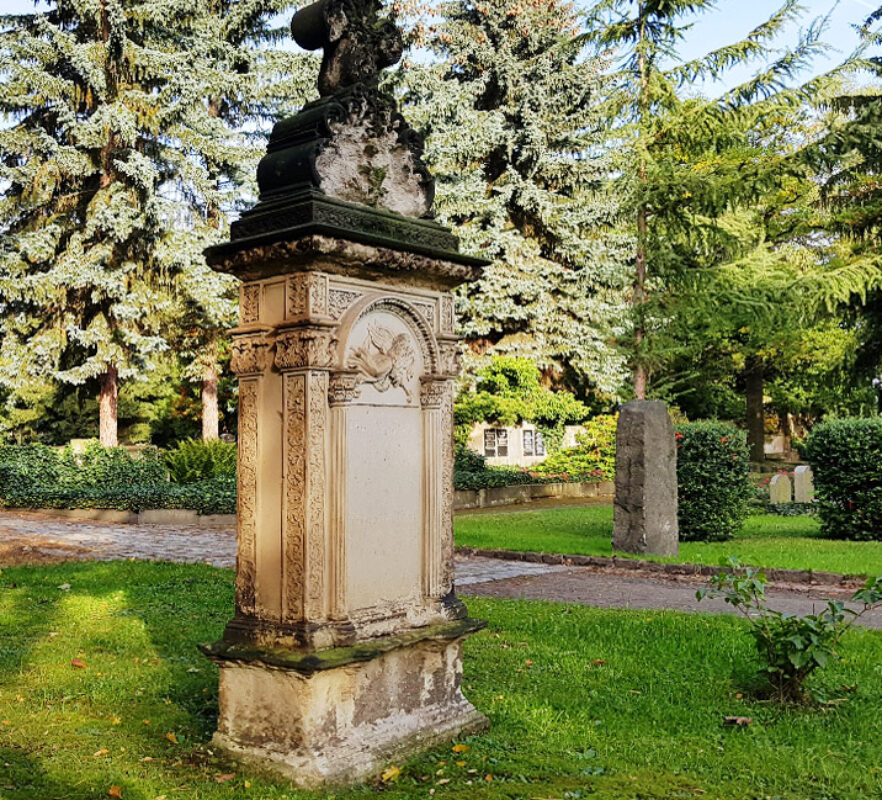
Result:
x=645 y=513
x=780 y=489
x=803 y=485
x=346 y=645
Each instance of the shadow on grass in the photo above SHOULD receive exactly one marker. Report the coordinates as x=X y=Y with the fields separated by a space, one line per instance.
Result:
x=135 y=626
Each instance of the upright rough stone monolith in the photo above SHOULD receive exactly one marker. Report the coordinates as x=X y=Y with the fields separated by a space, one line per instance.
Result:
x=646 y=481
x=345 y=651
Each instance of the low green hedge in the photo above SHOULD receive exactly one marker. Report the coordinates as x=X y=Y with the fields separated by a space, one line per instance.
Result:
x=216 y=496
x=846 y=459
x=713 y=483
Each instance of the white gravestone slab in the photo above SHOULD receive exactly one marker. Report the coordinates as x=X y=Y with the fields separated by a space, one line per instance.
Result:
x=803 y=485
x=780 y=490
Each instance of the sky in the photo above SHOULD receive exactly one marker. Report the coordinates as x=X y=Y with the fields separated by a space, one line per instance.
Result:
x=733 y=19
x=730 y=21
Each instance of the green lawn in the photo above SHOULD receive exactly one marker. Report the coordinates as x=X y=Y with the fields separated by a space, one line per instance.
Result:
x=614 y=704
x=766 y=541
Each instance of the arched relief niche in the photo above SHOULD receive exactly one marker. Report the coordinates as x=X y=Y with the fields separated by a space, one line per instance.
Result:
x=390 y=347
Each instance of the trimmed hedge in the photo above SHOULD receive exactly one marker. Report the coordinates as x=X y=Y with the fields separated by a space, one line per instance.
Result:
x=846 y=459
x=712 y=481
x=36 y=476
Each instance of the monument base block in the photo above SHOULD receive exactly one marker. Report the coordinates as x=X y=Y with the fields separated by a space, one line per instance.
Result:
x=343 y=714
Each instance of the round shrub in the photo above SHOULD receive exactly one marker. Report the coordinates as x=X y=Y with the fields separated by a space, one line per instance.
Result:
x=846 y=459
x=712 y=481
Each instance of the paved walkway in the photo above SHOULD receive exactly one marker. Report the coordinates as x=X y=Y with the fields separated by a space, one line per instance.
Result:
x=35 y=538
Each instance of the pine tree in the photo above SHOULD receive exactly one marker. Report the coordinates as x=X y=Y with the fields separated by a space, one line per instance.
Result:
x=691 y=160
x=516 y=140
x=122 y=158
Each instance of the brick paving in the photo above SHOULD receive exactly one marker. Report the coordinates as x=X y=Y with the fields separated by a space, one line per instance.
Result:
x=36 y=538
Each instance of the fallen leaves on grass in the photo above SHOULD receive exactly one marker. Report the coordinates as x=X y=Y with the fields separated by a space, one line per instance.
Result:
x=79 y=663
x=738 y=722
x=171 y=737
x=460 y=748
x=115 y=792
x=390 y=774
x=227 y=776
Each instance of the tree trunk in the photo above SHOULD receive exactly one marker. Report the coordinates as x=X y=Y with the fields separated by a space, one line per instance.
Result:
x=640 y=377
x=210 y=415
x=107 y=407
x=756 y=418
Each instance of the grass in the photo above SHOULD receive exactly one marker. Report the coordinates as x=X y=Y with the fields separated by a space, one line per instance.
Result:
x=767 y=540
x=584 y=703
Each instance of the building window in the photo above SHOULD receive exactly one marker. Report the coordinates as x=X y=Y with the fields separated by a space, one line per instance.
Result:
x=534 y=445
x=496 y=443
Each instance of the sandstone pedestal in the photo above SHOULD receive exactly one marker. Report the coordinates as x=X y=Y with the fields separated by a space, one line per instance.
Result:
x=345 y=649
x=646 y=481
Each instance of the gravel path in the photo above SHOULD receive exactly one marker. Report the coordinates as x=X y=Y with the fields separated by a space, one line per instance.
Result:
x=29 y=538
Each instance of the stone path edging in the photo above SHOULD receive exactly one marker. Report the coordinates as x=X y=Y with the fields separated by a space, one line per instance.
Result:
x=807 y=577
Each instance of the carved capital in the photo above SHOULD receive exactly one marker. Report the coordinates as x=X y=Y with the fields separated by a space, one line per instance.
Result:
x=343 y=388
x=450 y=358
x=249 y=355
x=307 y=347
x=433 y=390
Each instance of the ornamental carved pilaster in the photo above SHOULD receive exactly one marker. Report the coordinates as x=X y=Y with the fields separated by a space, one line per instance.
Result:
x=433 y=390
x=343 y=388
x=307 y=296
x=306 y=347
x=250 y=354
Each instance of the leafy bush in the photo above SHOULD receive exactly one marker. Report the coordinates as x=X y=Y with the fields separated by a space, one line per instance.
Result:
x=23 y=466
x=509 y=391
x=846 y=459
x=197 y=460
x=111 y=467
x=592 y=459
x=791 y=647
x=712 y=481
x=216 y=496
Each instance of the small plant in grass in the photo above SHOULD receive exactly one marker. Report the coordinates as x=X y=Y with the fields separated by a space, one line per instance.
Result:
x=791 y=647
x=197 y=460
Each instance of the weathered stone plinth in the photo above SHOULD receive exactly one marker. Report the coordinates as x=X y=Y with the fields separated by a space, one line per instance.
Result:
x=342 y=715
x=646 y=481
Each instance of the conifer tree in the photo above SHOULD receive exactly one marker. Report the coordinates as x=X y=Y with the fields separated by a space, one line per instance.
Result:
x=120 y=155
x=517 y=142
x=691 y=160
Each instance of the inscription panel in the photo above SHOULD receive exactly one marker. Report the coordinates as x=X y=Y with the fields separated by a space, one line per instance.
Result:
x=384 y=514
